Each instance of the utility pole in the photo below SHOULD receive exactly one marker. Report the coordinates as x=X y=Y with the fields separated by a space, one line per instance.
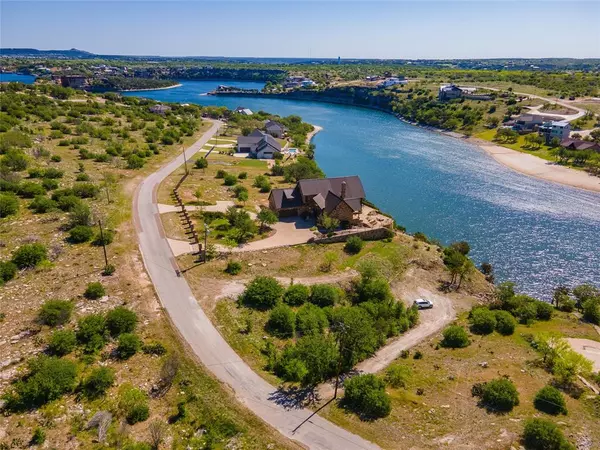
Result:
x=103 y=243
x=206 y=231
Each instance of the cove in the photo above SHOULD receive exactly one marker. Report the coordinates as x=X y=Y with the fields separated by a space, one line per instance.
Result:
x=535 y=233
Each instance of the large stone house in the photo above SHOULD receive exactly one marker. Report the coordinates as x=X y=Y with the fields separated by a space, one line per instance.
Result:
x=339 y=197
x=258 y=145
x=449 y=92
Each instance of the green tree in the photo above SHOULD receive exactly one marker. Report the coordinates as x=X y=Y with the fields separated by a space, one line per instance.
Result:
x=328 y=223
x=591 y=310
x=266 y=217
x=542 y=434
x=505 y=323
x=9 y=205
x=15 y=160
x=483 y=321
x=98 y=382
x=120 y=320
x=353 y=245
x=319 y=355
x=550 y=400
x=296 y=294
x=311 y=319
x=201 y=163
x=324 y=295
x=366 y=396
x=62 y=342
x=262 y=293
x=282 y=321
x=55 y=312
x=500 y=395
x=455 y=337
x=353 y=329
x=128 y=345
x=29 y=255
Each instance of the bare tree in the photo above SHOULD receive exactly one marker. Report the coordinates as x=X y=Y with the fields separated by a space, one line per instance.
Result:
x=157 y=431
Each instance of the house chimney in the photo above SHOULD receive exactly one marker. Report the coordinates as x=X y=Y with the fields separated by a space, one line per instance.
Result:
x=343 y=195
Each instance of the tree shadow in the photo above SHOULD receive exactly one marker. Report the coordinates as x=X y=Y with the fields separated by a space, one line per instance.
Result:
x=294 y=397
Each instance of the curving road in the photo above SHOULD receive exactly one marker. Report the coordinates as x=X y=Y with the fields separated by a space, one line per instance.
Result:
x=198 y=331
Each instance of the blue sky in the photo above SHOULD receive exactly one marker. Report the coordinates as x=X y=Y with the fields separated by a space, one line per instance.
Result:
x=350 y=29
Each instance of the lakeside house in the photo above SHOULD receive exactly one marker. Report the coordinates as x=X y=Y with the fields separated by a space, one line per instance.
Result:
x=73 y=81
x=555 y=129
x=258 y=145
x=339 y=197
x=530 y=122
x=449 y=92
x=580 y=144
x=298 y=82
x=243 y=111
x=275 y=129
x=160 y=109
x=392 y=81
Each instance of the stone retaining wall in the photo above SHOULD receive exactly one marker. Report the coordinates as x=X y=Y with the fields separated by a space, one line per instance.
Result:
x=367 y=234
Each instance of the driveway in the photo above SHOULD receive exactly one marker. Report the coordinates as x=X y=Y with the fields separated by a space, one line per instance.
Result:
x=203 y=338
x=288 y=231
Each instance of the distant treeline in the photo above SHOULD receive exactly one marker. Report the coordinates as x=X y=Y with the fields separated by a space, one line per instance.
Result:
x=127 y=84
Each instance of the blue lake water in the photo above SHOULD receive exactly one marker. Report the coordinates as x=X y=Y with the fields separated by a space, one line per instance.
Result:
x=8 y=77
x=535 y=233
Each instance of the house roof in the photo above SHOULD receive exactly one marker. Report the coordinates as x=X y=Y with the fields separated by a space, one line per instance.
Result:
x=579 y=144
x=248 y=140
x=257 y=132
x=536 y=118
x=272 y=123
x=268 y=141
x=286 y=198
x=354 y=187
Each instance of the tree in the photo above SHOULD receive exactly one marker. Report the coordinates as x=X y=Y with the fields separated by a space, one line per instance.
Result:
x=541 y=434
x=550 y=400
x=324 y=295
x=157 y=430
x=455 y=337
x=311 y=319
x=591 y=310
x=266 y=217
x=282 y=321
x=62 y=342
x=233 y=267
x=366 y=396
x=121 y=320
x=353 y=245
x=296 y=295
x=201 y=163
x=48 y=379
x=585 y=292
x=327 y=222
x=98 y=382
x=55 y=312
x=14 y=160
x=80 y=214
x=483 y=321
x=500 y=395
x=461 y=247
x=544 y=310
x=133 y=404
x=353 y=329
x=9 y=205
x=90 y=332
x=129 y=344
x=505 y=323
x=262 y=293
x=568 y=365
x=94 y=291
x=319 y=355
x=8 y=270
x=81 y=234
x=29 y=255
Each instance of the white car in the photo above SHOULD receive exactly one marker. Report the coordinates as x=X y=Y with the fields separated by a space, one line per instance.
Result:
x=423 y=304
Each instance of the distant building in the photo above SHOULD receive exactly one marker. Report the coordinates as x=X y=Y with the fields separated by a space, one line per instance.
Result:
x=160 y=109
x=391 y=82
x=275 y=129
x=73 y=81
x=258 y=145
x=551 y=129
x=579 y=144
x=297 y=82
x=531 y=122
x=243 y=111
x=449 y=92
x=339 y=197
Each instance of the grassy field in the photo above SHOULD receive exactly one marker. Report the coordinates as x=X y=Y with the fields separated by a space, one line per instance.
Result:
x=446 y=415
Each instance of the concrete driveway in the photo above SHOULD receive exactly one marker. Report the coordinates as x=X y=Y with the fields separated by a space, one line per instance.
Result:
x=288 y=231
x=205 y=340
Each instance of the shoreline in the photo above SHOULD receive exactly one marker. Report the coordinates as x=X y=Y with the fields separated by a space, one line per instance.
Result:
x=537 y=167
x=153 y=89
x=313 y=133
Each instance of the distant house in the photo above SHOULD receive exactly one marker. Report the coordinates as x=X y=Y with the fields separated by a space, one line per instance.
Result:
x=579 y=144
x=391 y=82
x=531 y=122
x=449 y=92
x=552 y=129
x=160 y=109
x=243 y=111
x=258 y=145
x=339 y=197
x=73 y=81
x=297 y=82
x=275 y=128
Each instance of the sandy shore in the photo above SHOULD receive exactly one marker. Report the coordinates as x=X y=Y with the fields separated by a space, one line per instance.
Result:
x=153 y=89
x=311 y=135
x=538 y=167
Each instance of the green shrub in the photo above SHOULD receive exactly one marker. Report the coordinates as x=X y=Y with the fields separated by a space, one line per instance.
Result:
x=120 y=320
x=296 y=294
x=311 y=319
x=483 y=321
x=354 y=245
x=29 y=255
x=104 y=238
x=541 y=434
x=505 y=323
x=29 y=189
x=56 y=158
x=108 y=270
x=262 y=293
x=500 y=395
x=550 y=400
x=82 y=177
x=48 y=379
x=8 y=270
x=243 y=175
x=229 y=179
x=80 y=234
x=53 y=173
x=49 y=184
x=544 y=310
x=94 y=291
x=62 y=342
x=527 y=312
x=68 y=203
x=98 y=382
x=455 y=337
x=220 y=173
x=42 y=204
x=129 y=344
x=201 y=163
x=324 y=295
x=233 y=267
x=91 y=332
x=38 y=437
x=55 y=312
x=282 y=321
x=366 y=396
x=397 y=375
x=133 y=404
x=135 y=162
x=154 y=348
x=591 y=310
x=80 y=214
x=85 y=190
x=9 y=205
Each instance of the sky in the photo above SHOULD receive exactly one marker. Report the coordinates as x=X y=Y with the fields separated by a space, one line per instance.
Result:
x=311 y=29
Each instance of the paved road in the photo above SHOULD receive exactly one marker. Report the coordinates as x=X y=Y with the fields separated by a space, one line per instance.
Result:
x=197 y=329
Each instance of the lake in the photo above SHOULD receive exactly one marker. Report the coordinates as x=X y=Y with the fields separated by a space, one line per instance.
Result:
x=9 y=77
x=535 y=233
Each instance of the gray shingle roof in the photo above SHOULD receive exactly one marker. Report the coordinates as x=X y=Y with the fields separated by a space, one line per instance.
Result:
x=354 y=187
